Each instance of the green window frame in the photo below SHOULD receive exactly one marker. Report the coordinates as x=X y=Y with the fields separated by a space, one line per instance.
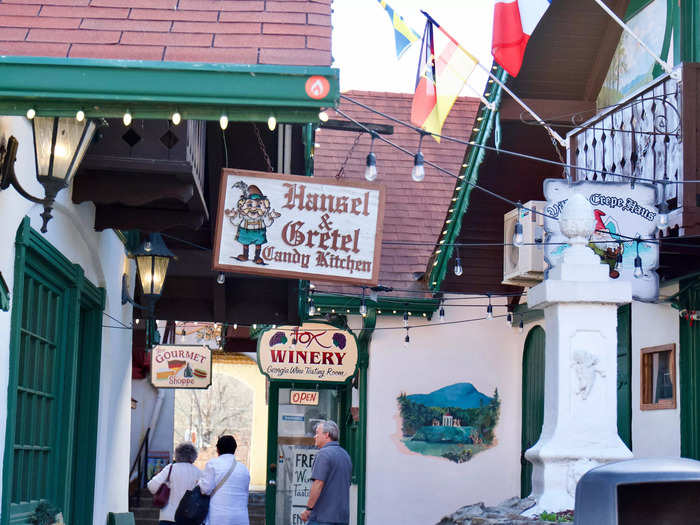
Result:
x=52 y=398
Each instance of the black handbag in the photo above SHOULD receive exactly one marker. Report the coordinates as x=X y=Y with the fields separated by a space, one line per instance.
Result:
x=162 y=495
x=194 y=506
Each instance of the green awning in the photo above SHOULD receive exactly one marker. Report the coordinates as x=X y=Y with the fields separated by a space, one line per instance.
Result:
x=154 y=90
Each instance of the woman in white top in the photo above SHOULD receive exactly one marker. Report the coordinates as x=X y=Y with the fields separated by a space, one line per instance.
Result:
x=184 y=476
x=229 y=504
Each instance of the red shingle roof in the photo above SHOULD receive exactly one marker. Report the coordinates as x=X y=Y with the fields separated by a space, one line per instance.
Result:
x=227 y=31
x=414 y=212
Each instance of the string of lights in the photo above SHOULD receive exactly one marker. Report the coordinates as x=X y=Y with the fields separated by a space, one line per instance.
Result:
x=508 y=152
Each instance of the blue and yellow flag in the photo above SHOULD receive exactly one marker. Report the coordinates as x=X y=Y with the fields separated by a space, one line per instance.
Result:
x=403 y=34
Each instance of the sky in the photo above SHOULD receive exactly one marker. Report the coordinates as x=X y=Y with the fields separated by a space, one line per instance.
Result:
x=364 y=49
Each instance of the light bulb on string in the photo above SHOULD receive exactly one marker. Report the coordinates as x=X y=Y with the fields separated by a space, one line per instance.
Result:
x=126 y=119
x=442 y=313
x=618 y=259
x=638 y=270
x=520 y=327
x=371 y=167
x=489 y=311
x=235 y=326
x=312 y=308
x=458 y=267
x=271 y=123
x=323 y=116
x=31 y=113
x=223 y=122
x=176 y=118
x=407 y=339
x=363 y=305
x=662 y=217
x=509 y=319
x=418 y=171
x=221 y=278
x=80 y=115
x=405 y=319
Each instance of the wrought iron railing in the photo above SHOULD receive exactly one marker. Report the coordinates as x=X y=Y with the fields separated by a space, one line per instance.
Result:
x=139 y=467
x=639 y=139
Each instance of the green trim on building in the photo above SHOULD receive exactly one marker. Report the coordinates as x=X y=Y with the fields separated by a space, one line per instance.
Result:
x=469 y=175
x=350 y=305
x=154 y=90
x=54 y=366
x=690 y=32
x=634 y=7
x=4 y=295
x=689 y=363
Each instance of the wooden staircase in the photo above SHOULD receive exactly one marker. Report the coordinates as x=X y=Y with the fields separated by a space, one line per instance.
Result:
x=146 y=514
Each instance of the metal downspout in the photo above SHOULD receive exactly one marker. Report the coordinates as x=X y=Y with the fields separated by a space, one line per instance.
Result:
x=368 y=324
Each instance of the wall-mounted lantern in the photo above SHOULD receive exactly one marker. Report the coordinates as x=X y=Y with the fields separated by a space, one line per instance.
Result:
x=59 y=146
x=152 y=261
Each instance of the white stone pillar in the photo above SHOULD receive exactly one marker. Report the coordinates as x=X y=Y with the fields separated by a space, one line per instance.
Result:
x=580 y=302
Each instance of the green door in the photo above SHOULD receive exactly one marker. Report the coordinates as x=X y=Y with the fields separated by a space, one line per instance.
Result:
x=689 y=362
x=624 y=371
x=533 y=402
x=291 y=447
x=53 y=385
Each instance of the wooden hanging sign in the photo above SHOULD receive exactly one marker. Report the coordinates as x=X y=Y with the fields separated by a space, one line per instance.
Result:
x=181 y=366
x=299 y=227
x=314 y=352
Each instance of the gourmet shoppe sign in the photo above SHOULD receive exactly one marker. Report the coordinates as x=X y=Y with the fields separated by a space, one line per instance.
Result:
x=298 y=227
x=181 y=366
x=623 y=214
x=311 y=352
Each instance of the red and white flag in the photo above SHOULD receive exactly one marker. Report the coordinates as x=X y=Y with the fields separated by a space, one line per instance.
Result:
x=513 y=23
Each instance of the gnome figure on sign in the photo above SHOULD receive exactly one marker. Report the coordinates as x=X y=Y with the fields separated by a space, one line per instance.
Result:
x=252 y=216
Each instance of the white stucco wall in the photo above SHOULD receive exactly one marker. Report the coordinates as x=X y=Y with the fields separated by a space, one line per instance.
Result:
x=101 y=255
x=161 y=437
x=655 y=432
x=408 y=488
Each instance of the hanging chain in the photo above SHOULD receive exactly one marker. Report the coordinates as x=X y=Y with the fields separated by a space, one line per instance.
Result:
x=261 y=145
x=341 y=171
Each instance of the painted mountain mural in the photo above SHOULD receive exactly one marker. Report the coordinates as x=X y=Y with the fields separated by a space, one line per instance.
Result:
x=460 y=395
x=454 y=422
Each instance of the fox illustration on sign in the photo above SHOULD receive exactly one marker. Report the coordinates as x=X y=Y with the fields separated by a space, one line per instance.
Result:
x=252 y=216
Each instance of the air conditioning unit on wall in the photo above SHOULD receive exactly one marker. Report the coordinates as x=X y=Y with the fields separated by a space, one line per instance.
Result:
x=524 y=265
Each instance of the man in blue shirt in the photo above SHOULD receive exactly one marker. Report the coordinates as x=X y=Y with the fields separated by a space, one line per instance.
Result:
x=329 y=500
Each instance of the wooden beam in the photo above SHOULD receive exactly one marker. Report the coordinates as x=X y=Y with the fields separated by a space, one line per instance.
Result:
x=145 y=219
x=129 y=188
x=345 y=125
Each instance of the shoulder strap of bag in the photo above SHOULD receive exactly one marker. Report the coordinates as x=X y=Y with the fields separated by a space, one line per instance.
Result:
x=223 y=480
x=167 y=480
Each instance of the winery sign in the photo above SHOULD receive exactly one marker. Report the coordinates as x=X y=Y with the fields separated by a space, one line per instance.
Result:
x=298 y=227
x=315 y=352
x=181 y=366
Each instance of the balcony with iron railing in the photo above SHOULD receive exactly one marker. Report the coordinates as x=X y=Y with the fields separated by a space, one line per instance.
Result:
x=649 y=137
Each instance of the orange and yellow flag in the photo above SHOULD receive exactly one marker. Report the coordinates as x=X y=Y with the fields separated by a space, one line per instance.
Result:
x=441 y=77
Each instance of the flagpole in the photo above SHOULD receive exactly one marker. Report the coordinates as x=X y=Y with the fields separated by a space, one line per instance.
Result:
x=562 y=141
x=664 y=64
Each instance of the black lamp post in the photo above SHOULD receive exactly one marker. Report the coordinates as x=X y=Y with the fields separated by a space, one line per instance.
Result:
x=59 y=146
x=152 y=261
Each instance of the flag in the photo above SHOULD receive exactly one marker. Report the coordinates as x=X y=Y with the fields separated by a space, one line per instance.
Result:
x=403 y=34
x=441 y=76
x=513 y=23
